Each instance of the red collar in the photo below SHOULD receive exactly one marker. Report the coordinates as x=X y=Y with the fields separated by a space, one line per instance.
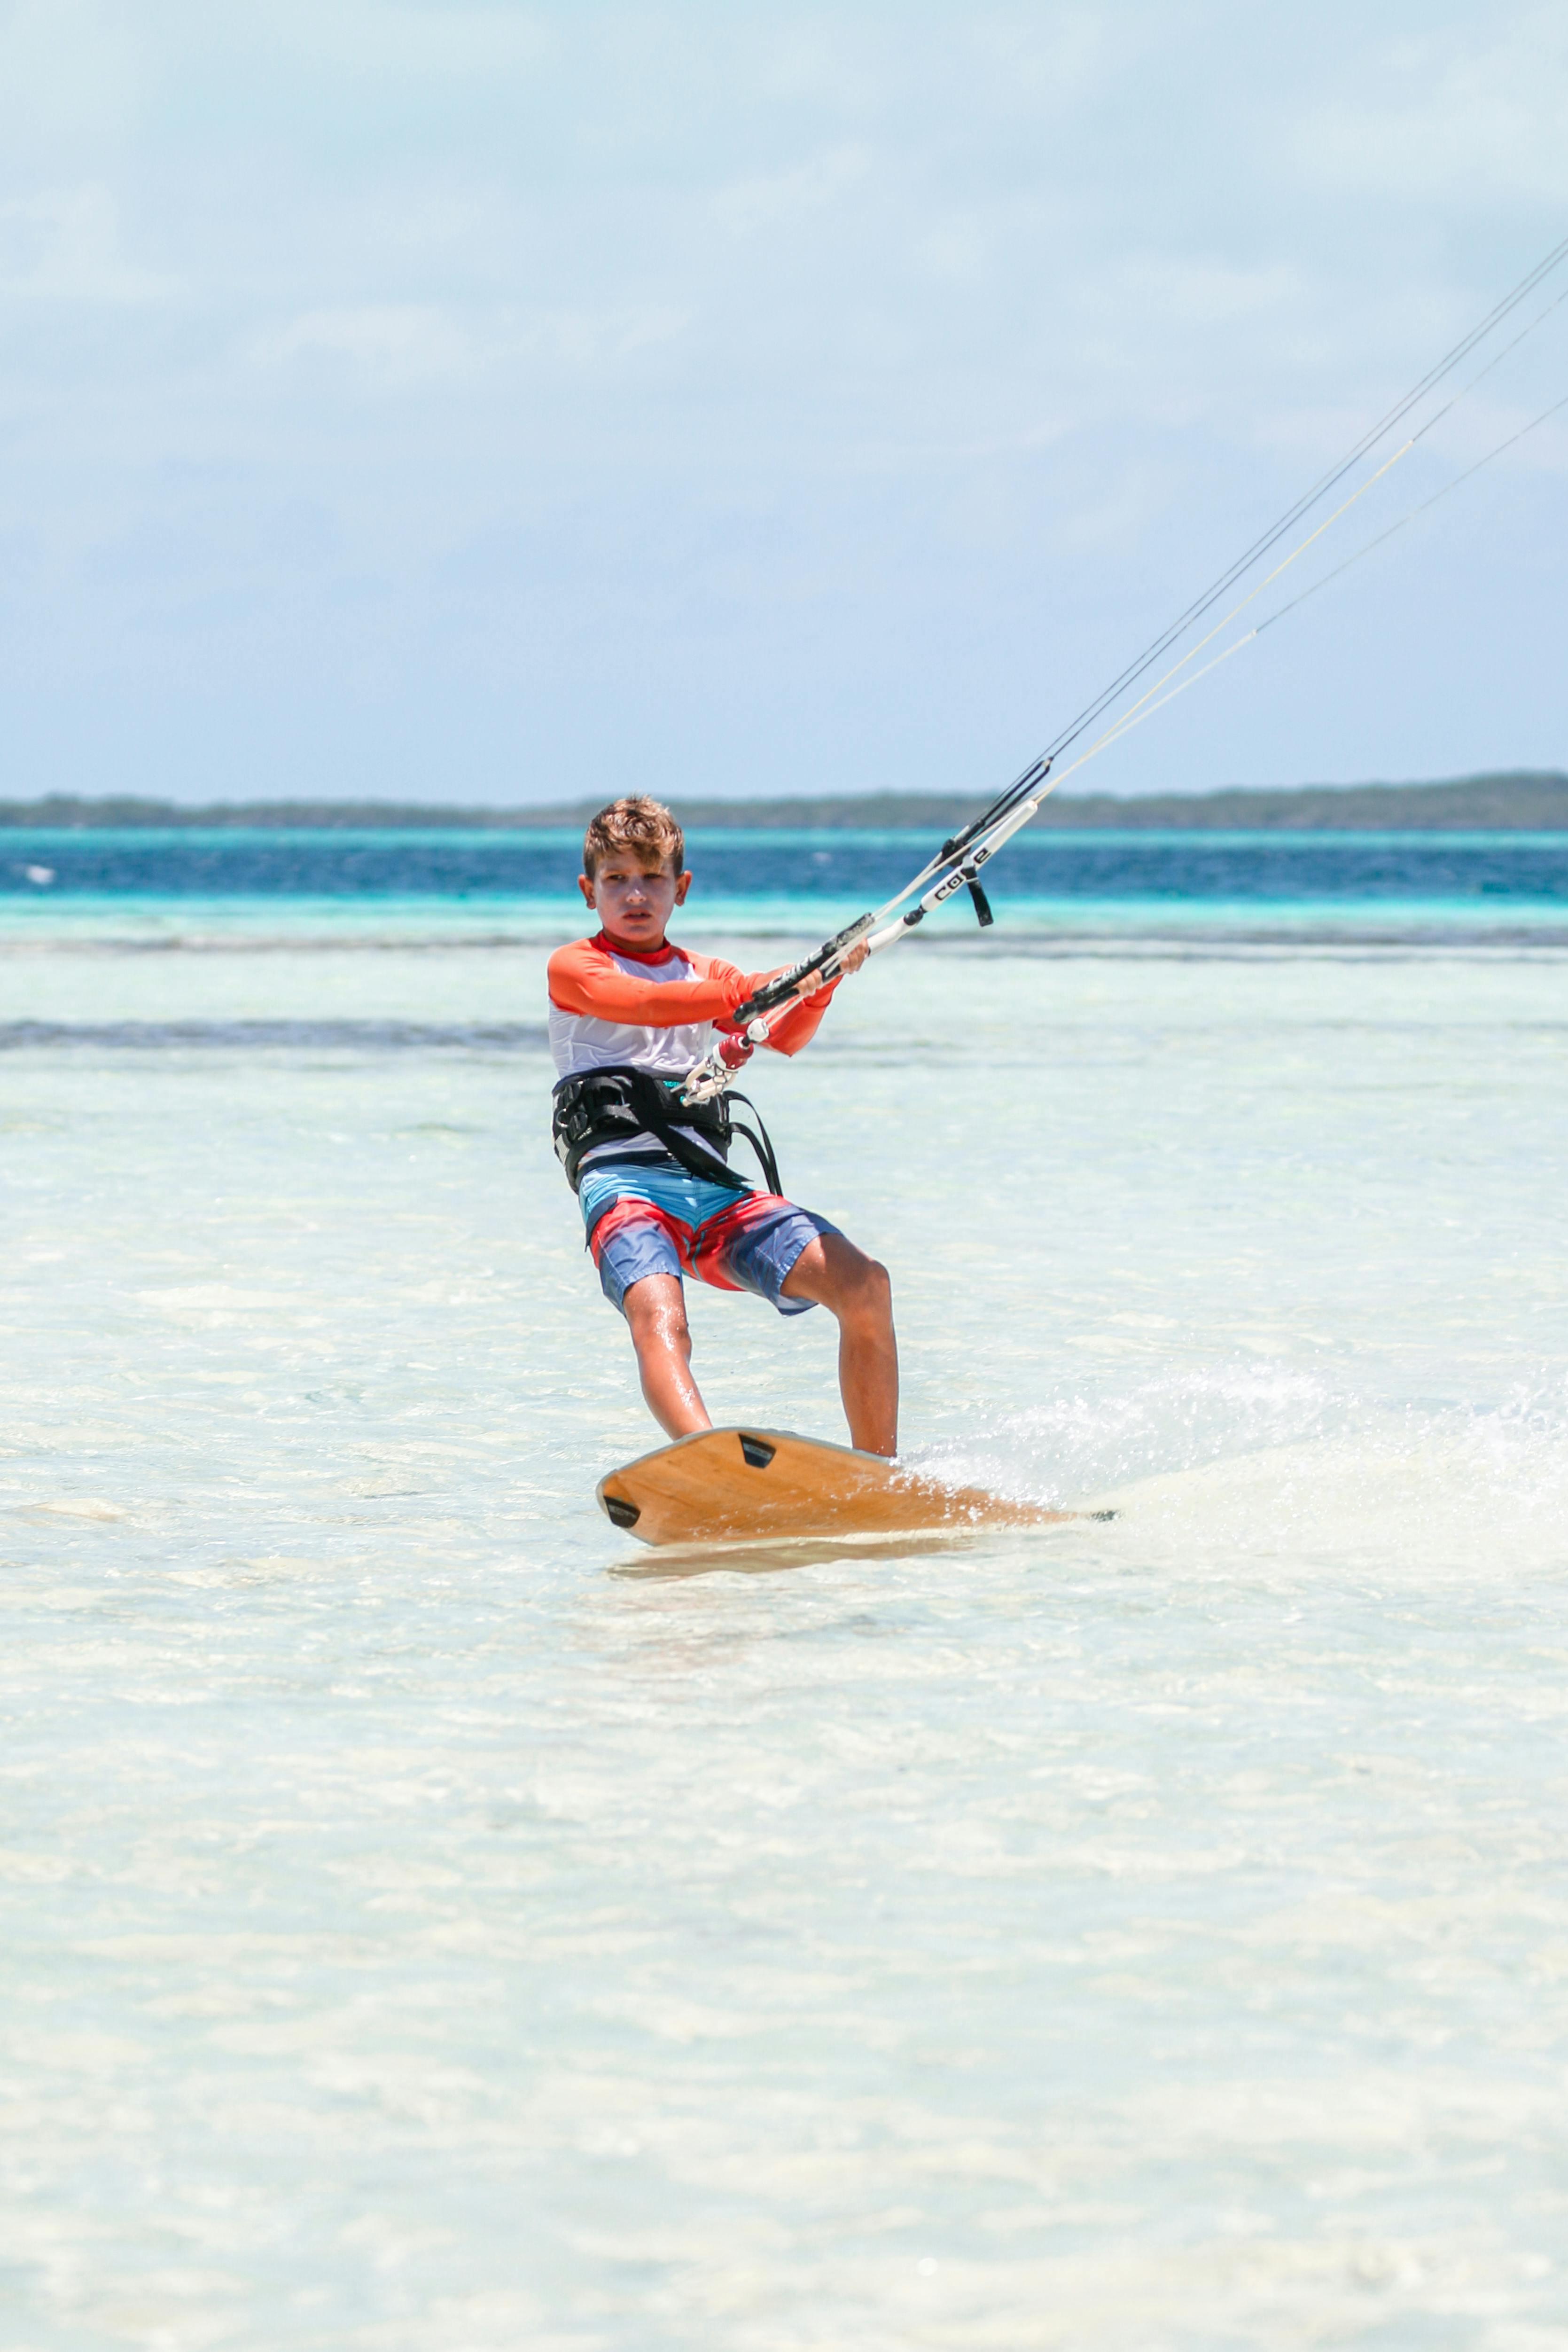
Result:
x=661 y=954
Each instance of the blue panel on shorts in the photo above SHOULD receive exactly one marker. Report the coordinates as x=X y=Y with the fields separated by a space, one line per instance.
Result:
x=740 y=1239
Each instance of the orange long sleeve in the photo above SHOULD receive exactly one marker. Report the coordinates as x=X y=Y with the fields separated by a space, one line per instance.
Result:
x=583 y=978
x=800 y=1023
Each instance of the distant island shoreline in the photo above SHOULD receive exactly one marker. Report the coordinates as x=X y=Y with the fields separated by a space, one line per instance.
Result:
x=1520 y=801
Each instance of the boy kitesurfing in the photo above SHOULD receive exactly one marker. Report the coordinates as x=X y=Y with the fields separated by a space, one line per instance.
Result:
x=640 y=1122
x=630 y=1016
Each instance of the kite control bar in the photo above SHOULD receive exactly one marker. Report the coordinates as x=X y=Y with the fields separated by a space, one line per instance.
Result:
x=785 y=986
x=966 y=875
x=991 y=830
x=755 y=1018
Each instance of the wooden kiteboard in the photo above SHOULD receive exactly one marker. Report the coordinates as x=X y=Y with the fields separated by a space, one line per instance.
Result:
x=729 y=1485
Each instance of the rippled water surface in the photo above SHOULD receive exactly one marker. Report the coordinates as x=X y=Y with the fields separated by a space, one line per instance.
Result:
x=428 y=1930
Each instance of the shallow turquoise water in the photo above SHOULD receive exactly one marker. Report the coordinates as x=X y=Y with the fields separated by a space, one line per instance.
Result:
x=427 y=1929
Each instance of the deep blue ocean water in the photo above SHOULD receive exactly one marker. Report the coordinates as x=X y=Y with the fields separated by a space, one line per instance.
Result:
x=1475 y=871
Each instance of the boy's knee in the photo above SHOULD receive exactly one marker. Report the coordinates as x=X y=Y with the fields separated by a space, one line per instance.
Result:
x=871 y=1292
x=655 y=1314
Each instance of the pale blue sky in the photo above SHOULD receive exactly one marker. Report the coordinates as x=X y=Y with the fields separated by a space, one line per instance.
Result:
x=509 y=402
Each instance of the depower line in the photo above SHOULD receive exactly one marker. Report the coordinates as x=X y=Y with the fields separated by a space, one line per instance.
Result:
x=1037 y=768
x=957 y=865
x=1138 y=712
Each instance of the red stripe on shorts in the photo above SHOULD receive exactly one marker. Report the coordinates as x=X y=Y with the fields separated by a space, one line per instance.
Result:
x=714 y=1239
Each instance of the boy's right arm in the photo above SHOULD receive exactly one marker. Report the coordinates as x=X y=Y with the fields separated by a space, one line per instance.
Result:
x=584 y=980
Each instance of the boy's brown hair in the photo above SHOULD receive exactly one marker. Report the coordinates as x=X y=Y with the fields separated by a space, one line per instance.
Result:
x=644 y=826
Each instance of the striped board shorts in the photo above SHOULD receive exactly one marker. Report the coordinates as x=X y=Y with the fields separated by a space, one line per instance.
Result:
x=651 y=1217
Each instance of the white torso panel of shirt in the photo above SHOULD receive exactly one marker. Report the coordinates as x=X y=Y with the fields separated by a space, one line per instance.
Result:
x=580 y=1041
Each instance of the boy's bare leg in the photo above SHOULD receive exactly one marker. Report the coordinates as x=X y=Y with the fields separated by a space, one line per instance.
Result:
x=856 y=1289
x=656 y=1312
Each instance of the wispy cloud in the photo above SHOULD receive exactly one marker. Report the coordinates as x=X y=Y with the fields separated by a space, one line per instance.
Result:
x=832 y=391
x=65 y=246
x=1482 y=105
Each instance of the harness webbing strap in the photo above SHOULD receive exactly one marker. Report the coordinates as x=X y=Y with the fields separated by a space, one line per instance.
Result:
x=759 y=1140
x=614 y=1104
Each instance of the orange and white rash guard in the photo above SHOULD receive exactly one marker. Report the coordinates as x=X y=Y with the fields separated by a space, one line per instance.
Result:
x=657 y=1011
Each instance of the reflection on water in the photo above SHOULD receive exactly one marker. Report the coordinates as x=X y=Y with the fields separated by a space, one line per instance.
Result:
x=773 y=1557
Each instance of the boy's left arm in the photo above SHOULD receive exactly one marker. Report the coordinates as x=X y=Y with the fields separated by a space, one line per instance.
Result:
x=800 y=1023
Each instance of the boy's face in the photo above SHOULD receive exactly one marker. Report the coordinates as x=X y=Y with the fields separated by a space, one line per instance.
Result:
x=633 y=900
